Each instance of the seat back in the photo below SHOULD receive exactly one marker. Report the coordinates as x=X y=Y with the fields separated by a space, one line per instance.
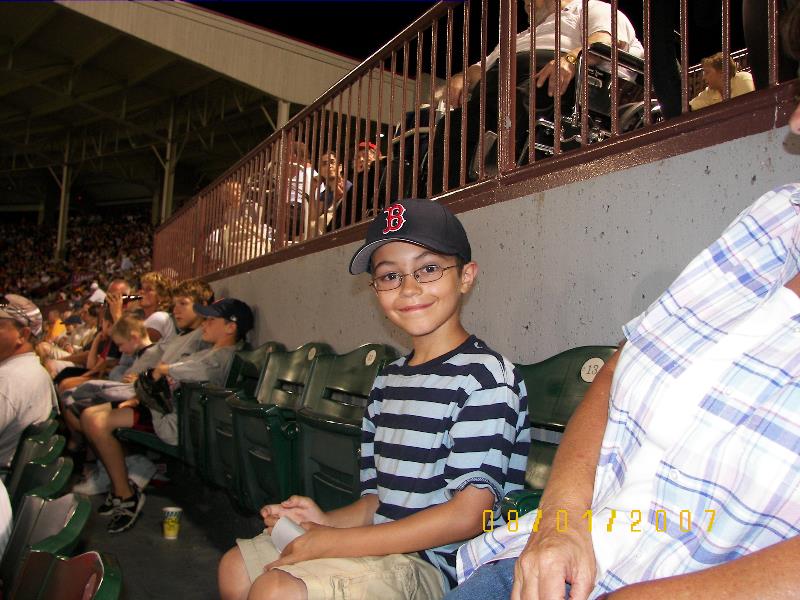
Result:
x=330 y=422
x=247 y=365
x=45 y=480
x=285 y=377
x=91 y=575
x=36 y=448
x=217 y=419
x=555 y=387
x=43 y=429
x=46 y=525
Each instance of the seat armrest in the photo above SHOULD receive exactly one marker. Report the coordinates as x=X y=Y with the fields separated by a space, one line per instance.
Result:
x=522 y=501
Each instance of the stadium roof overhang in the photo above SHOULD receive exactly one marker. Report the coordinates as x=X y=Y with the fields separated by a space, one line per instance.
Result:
x=107 y=86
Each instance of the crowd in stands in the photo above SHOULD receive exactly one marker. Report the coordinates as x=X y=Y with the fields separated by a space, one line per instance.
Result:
x=97 y=250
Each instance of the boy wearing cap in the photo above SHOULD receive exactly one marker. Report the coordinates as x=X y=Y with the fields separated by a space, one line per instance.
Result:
x=445 y=436
x=26 y=390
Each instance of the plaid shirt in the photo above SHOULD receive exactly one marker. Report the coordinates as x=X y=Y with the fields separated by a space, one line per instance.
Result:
x=740 y=455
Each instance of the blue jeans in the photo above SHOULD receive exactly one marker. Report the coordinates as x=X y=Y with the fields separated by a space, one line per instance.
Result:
x=490 y=582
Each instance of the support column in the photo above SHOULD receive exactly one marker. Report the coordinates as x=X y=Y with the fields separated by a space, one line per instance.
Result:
x=169 y=164
x=283 y=113
x=63 y=211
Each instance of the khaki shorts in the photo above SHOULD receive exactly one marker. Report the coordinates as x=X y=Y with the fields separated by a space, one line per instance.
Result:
x=401 y=576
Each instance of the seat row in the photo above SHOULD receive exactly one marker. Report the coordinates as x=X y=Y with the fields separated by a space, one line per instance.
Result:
x=289 y=422
x=47 y=527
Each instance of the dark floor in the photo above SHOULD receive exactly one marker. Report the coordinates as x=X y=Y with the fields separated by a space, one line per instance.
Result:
x=155 y=568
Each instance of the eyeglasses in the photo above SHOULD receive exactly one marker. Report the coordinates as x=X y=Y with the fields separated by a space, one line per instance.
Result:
x=392 y=281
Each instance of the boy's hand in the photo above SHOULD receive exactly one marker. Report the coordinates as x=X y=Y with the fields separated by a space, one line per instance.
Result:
x=299 y=509
x=130 y=378
x=318 y=542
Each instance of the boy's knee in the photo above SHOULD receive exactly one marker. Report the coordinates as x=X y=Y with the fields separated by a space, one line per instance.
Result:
x=277 y=585
x=93 y=422
x=233 y=580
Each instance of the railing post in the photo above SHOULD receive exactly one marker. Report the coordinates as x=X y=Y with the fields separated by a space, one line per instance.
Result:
x=508 y=79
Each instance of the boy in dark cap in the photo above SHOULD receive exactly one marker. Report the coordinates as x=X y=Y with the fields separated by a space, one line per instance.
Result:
x=445 y=436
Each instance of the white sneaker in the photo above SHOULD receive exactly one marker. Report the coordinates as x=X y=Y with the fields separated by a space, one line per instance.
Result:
x=140 y=469
x=96 y=482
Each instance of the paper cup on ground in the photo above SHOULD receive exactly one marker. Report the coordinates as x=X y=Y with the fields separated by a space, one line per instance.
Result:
x=171 y=522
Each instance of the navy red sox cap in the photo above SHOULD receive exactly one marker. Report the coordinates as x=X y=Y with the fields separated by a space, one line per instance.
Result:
x=421 y=222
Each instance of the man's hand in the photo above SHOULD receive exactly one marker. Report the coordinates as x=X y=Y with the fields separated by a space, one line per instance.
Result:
x=299 y=509
x=548 y=74
x=130 y=403
x=318 y=542
x=114 y=301
x=550 y=560
x=130 y=378
x=454 y=87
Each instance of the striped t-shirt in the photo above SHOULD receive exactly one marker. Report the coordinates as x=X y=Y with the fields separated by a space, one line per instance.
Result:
x=433 y=429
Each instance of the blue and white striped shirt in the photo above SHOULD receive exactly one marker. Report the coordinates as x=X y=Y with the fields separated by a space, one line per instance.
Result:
x=433 y=429
x=740 y=454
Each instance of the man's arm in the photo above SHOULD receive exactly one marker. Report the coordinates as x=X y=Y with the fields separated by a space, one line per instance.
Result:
x=456 y=520
x=769 y=574
x=551 y=557
x=568 y=68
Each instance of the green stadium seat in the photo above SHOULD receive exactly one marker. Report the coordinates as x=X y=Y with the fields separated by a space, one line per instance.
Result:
x=216 y=419
x=35 y=448
x=42 y=478
x=88 y=576
x=555 y=388
x=264 y=428
x=43 y=525
x=330 y=423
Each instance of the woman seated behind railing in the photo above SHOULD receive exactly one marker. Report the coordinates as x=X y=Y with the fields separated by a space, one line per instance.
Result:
x=741 y=81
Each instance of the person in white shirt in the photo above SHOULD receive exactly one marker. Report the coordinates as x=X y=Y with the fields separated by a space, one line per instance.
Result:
x=26 y=390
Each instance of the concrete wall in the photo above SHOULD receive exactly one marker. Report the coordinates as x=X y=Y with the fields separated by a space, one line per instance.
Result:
x=563 y=268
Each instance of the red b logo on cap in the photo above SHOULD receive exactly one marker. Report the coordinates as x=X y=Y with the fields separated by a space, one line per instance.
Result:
x=394 y=217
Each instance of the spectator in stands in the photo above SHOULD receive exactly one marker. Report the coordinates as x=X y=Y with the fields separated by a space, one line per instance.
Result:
x=741 y=81
x=454 y=408
x=543 y=14
x=26 y=391
x=156 y=292
x=333 y=194
x=700 y=410
x=366 y=155
x=226 y=324
x=55 y=326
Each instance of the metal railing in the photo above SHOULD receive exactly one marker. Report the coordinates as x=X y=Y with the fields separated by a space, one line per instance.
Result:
x=399 y=125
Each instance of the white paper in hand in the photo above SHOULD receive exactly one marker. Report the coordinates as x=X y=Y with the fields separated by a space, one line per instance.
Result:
x=284 y=532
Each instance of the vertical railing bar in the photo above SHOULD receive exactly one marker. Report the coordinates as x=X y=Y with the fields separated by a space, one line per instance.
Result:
x=614 y=69
x=684 y=24
x=433 y=107
x=356 y=140
x=506 y=126
x=648 y=76
x=557 y=95
x=367 y=129
x=448 y=73
x=376 y=173
x=346 y=165
x=584 y=89
x=462 y=161
x=329 y=146
x=726 y=49
x=269 y=199
x=417 y=100
x=772 y=41
x=482 y=113
x=532 y=91
x=282 y=195
x=316 y=154
x=390 y=146
x=401 y=165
